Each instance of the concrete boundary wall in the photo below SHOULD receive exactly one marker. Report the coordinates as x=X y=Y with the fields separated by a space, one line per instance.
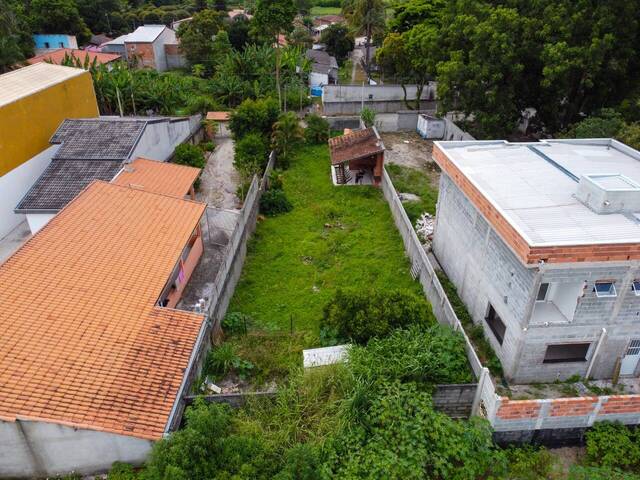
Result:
x=551 y=422
x=225 y=282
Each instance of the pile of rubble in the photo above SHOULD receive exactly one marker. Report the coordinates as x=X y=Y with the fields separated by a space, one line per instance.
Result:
x=424 y=227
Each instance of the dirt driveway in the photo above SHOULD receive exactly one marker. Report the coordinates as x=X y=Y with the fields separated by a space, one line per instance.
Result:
x=408 y=149
x=219 y=179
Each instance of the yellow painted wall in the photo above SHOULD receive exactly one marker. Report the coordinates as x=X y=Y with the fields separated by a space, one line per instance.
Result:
x=27 y=124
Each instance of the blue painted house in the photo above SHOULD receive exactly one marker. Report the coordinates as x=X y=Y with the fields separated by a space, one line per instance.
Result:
x=51 y=41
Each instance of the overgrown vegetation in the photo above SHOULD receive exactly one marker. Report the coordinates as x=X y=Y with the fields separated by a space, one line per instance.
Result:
x=357 y=315
x=191 y=155
x=483 y=348
x=410 y=180
x=332 y=238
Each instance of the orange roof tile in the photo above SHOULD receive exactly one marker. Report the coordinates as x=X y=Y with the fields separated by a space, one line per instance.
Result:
x=353 y=145
x=158 y=177
x=83 y=342
x=57 y=56
x=218 y=116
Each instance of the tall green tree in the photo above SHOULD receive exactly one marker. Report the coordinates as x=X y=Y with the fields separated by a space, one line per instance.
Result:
x=408 y=14
x=16 y=43
x=287 y=134
x=99 y=14
x=197 y=38
x=58 y=16
x=275 y=17
x=366 y=17
x=338 y=40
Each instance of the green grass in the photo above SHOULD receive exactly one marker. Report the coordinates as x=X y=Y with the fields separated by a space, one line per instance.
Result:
x=334 y=237
x=326 y=11
x=410 y=180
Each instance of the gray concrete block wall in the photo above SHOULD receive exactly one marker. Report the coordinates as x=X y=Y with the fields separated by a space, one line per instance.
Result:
x=485 y=271
x=482 y=268
x=455 y=400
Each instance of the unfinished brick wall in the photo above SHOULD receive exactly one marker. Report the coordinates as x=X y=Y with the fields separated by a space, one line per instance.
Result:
x=565 y=413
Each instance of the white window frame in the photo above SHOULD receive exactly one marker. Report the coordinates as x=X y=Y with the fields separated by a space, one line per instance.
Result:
x=605 y=295
x=636 y=291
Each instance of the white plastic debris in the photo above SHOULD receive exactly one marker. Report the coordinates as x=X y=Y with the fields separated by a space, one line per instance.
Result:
x=316 y=357
x=424 y=226
x=212 y=387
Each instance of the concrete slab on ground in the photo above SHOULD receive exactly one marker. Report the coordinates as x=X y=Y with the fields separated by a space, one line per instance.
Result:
x=219 y=179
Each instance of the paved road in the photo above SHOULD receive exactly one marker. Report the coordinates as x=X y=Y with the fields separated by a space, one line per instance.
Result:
x=219 y=179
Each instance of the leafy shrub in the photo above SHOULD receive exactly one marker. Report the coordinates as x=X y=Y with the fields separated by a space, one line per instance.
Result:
x=360 y=315
x=368 y=116
x=475 y=332
x=274 y=202
x=208 y=447
x=275 y=180
x=257 y=116
x=431 y=356
x=612 y=445
x=235 y=322
x=121 y=471
x=397 y=435
x=251 y=155
x=301 y=462
x=187 y=154
x=598 y=473
x=287 y=133
x=207 y=146
x=223 y=360
x=317 y=130
x=530 y=463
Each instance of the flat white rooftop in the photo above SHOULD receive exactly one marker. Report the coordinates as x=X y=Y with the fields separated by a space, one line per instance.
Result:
x=533 y=186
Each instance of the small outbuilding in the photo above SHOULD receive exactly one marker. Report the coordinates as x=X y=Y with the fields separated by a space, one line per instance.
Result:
x=357 y=157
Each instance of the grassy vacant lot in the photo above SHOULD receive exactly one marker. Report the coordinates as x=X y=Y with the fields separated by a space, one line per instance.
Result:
x=410 y=180
x=334 y=237
x=326 y=11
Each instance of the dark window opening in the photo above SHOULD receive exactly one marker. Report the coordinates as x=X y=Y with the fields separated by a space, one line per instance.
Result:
x=46 y=44
x=542 y=292
x=496 y=324
x=567 y=352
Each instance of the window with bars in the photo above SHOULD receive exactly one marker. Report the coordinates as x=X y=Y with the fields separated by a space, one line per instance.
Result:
x=496 y=324
x=634 y=348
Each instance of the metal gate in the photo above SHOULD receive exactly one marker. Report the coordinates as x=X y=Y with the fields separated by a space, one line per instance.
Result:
x=630 y=360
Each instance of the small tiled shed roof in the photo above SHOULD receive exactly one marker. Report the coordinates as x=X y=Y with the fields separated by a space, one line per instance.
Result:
x=354 y=145
x=218 y=116
x=159 y=177
x=62 y=180
x=83 y=342
x=99 y=138
x=58 y=56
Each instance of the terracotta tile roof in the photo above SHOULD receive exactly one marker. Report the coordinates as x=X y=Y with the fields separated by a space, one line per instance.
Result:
x=354 y=145
x=83 y=342
x=57 y=56
x=218 y=116
x=158 y=177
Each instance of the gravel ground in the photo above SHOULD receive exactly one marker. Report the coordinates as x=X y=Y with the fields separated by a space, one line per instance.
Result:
x=219 y=179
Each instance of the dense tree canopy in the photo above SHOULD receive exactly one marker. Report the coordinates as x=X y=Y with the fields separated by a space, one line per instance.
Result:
x=15 y=42
x=493 y=59
x=197 y=38
x=338 y=40
x=58 y=16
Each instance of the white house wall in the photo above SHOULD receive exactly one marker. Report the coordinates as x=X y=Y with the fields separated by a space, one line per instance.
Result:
x=15 y=184
x=160 y=139
x=40 y=449
x=38 y=220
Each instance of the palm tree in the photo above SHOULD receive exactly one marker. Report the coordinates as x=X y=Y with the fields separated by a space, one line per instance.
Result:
x=287 y=133
x=365 y=17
